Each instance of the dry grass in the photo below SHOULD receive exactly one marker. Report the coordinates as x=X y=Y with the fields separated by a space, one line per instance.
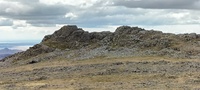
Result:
x=128 y=82
x=154 y=81
x=64 y=62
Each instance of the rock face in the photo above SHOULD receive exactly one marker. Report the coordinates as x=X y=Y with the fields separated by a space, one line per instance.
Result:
x=125 y=41
x=71 y=37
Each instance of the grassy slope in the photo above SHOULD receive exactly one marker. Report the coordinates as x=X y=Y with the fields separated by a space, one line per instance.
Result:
x=60 y=80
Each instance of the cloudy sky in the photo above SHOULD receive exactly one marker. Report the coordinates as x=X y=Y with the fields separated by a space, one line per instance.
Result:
x=32 y=19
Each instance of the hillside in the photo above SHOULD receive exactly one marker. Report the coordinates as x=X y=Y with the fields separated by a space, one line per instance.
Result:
x=125 y=41
x=129 y=58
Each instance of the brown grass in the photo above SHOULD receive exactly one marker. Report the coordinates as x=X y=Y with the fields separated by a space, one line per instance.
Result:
x=105 y=82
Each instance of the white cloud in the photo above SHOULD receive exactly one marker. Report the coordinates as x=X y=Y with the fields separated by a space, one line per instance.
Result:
x=25 y=33
x=177 y=29
x=23 y=48
x=71 y=16
x=19 y=23
x=179 y=15
x=80 y=3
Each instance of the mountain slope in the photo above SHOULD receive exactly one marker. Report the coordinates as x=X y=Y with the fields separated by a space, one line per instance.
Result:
x=129 y=58
x=125 y=41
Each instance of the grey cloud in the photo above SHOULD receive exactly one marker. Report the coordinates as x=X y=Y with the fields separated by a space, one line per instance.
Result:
x=99 y=14
x=159 y=4
x=102 y=13
x=36 y=13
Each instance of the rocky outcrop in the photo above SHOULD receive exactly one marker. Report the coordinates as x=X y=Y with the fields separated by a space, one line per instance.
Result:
x=71 y=37
x=125 y=41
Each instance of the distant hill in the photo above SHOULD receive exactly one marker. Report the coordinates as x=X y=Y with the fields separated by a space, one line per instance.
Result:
x=4 y=55
x=6 y=52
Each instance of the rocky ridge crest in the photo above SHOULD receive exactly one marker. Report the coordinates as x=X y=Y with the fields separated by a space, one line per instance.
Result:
x=73 y=42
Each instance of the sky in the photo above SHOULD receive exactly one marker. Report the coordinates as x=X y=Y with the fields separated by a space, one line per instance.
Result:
x=33 y=19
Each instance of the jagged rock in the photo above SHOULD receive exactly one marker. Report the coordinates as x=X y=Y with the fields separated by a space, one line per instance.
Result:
x=124 y=30
x=73 y=38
